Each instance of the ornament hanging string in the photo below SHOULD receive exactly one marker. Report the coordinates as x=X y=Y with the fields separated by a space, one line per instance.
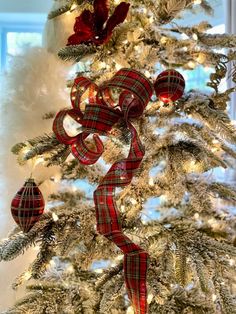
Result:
x=97 y=118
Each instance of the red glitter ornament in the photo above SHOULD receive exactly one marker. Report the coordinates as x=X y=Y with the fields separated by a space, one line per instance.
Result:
x=27 y=206
x=169 y=86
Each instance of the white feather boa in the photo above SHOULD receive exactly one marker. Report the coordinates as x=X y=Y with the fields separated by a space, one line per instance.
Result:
x=35 y=85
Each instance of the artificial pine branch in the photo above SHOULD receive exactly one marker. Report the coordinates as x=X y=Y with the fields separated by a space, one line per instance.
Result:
x=191 y=241
x=63 y=9
x=76 y=53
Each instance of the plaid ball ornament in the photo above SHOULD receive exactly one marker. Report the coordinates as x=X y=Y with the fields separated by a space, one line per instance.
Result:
x=27 y=206
x=169 y=86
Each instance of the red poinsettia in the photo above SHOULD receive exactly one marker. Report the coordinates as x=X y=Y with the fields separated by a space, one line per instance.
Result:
x=95 y=27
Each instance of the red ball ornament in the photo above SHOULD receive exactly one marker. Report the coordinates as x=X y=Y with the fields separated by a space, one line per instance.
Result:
x=169 y=86
x=27 y=206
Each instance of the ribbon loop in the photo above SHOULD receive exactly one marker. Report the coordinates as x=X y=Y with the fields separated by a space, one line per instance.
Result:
x=83 y=87
x=99 y=119
x=83 y=153
x=58 y=127
x=136 y=85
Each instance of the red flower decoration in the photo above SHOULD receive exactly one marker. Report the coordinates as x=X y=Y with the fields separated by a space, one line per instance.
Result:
x=89 y=26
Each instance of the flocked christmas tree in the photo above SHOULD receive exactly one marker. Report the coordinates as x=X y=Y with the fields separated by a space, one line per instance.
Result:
x=181 y=257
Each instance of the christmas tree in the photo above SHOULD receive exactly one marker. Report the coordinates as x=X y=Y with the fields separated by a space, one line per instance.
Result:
x=138 y=222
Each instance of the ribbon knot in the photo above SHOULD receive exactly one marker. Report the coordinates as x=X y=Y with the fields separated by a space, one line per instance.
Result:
x=98 y=109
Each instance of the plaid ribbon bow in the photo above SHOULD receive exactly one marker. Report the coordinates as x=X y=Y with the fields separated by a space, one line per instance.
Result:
x=98 y=117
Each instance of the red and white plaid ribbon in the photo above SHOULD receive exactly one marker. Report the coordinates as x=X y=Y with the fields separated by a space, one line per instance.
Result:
x=98 y=117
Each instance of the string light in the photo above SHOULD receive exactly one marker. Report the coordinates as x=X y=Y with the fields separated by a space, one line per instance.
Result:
x=119 y=257
x=98 y=271
x=39 y=160
x=118 y=66
x=73 y=7
x=213 y=223
x=70 y=269
x=147 y=73
x=27 y=275
x=191 y=64
x=196 y=216
x=55 y=217
x=201 y=58
x=133 y=201
x=151 y=19
x=149 y=298
x=56 y=178
x=130 y=310
x=163 y=40
x=231 y=262
x=52 y=263
x=151 y=182
x=192 y=166
x=36 y=248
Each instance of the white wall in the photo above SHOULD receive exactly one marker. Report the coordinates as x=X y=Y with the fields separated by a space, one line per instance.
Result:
x=231 y=28
x=216 y=19
x=25 y=6
x=24 y=11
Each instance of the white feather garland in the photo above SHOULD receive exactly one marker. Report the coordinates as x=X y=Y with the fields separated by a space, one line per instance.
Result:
x=35 y=85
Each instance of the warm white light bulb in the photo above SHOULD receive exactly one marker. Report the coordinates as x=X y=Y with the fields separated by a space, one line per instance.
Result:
x=147 y=73
x=151 y=182
x=149 y=298
x=70 y=269
x=27 y=275
x=231 y=262
x=98 y=271
x=163 y=39
x=214 y=297
x=118 y=66
x=73 y=7
x=191 y=64
x=52 y=263
x=130 y=310
x=55 y=217
x=133 y=201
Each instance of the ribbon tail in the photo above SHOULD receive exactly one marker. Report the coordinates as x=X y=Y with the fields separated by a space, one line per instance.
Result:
x=135 y=272
x=109 y=225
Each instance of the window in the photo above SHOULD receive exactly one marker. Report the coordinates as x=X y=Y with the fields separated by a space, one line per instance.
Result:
x=23 y=30
x=230 y=6
x=15 y=41
x=197 y=78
